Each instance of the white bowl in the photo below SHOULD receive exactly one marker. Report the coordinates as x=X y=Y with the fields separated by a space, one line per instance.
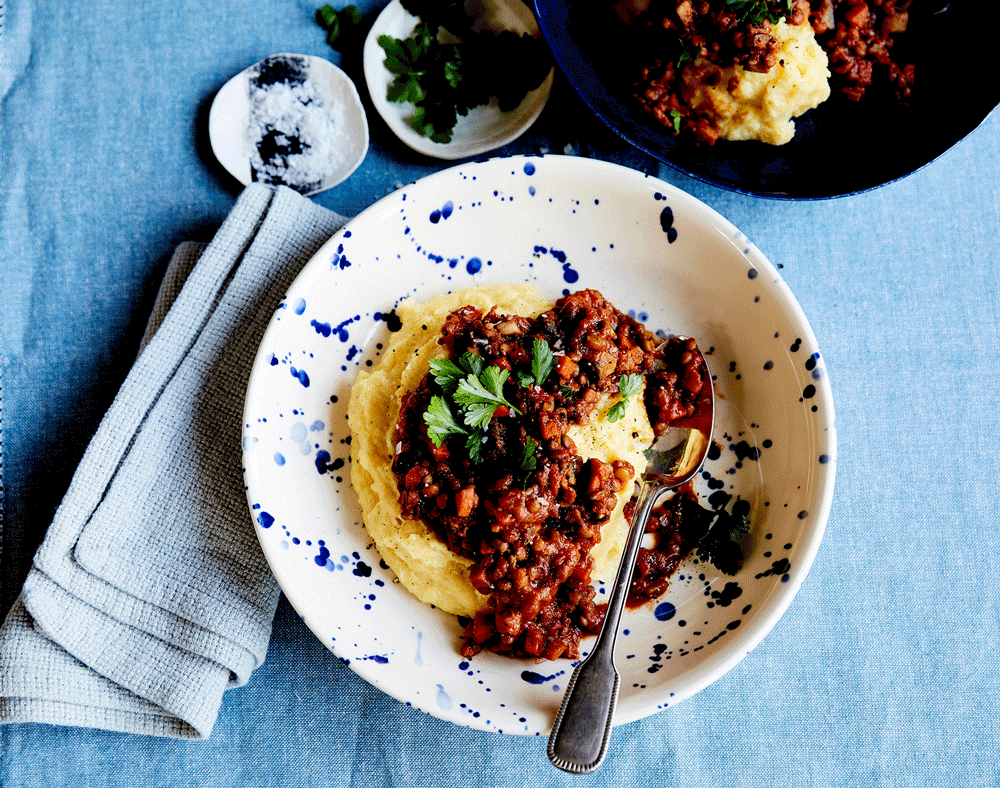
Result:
x=484 y=128
x=561 y=223
x=317 y=108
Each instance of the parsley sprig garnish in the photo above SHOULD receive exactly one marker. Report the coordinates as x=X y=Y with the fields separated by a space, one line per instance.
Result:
x=628 y=387
x=472 y=394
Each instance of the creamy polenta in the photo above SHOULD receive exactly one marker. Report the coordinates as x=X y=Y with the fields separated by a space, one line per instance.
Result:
x=762 y=106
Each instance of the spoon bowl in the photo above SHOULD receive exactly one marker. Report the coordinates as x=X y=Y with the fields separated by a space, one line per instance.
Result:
x=580 y=733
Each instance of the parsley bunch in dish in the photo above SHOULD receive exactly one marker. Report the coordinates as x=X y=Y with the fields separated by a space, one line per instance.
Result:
x=445 y=68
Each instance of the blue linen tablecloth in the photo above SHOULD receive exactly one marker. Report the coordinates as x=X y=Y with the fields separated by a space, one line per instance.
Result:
x=882 y=671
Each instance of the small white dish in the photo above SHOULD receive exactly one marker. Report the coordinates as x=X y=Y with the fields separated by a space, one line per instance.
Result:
x=484 y=128
x=560 y=223
x=290 y=119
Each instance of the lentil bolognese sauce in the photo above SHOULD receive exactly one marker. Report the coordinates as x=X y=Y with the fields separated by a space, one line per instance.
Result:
x=483 y=458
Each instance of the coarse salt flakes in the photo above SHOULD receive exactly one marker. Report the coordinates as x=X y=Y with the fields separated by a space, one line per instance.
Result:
x=293 y=131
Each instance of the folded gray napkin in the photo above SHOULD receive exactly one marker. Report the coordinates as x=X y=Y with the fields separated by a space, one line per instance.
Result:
x=150 y=596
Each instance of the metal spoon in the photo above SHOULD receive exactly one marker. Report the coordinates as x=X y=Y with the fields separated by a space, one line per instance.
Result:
x=579 y=738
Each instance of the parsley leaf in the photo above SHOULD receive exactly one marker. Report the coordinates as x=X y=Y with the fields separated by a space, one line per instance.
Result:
x=335 y=22
x=446 y=373
x=689 y=53
x=471 y=363
x=452 y=70
x=482 y=388
x=404 y=90
x=440 y=421
x=397 y=59
x=675 y=119
x=478 y=415
x=542 y=360
x=628 y=387
x=326 y=16
x=528 y=459
x=474 y=443
x=479 y=392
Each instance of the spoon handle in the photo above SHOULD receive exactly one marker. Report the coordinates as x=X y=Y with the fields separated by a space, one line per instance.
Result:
x=580 y=733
